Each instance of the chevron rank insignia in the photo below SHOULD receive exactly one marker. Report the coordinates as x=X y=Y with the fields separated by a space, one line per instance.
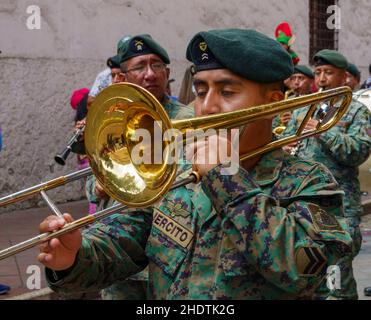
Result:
x=310 y=261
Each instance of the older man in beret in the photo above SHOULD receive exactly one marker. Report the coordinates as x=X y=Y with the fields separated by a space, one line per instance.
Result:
x=255 y=234
x=342 y=149
x=302 y=80
x=145 y=63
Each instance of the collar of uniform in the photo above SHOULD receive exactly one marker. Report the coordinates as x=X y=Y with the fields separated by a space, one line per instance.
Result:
x=268 y=168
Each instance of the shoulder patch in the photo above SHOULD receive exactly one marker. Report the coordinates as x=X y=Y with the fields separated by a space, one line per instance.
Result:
x=323 y=221
x=309 y=261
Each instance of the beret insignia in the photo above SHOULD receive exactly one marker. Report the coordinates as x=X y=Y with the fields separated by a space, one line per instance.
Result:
x=138 y=45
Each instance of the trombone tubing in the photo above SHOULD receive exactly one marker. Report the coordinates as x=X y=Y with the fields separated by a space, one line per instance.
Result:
x=244 y=116
x=51 y=184
x=77 y=224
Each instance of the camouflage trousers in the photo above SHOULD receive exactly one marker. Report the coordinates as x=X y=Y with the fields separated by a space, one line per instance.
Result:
x=134 y=288
x=348 y=285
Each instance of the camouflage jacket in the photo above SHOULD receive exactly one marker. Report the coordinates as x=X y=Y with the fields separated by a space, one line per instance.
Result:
x=268 y=234
x=341 y=149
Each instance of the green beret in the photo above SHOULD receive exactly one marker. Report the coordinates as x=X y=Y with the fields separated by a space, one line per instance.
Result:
x=332 y=57
x=115 y=61
x=247 y=53
x=353 y=70
x=304 y=70
x=141 y=45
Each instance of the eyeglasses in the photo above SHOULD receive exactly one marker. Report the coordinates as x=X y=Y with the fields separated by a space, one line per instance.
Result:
x=156 y=67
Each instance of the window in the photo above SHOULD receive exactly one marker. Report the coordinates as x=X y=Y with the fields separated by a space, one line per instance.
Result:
x=321 y=37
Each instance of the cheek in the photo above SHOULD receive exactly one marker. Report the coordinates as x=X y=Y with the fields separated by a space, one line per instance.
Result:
x=198 y=108
x=136 y=80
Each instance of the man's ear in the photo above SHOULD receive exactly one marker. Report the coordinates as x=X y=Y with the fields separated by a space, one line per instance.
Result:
x=344 y=77
x=168 y=73
x=276 y=95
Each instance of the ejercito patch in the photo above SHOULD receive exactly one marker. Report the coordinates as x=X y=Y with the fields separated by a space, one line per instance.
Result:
x=171 y=228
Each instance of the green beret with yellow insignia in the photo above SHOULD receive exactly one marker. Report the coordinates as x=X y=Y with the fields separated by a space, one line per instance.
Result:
x=304 y=70
x=245 y=52
x=331 y=57
x=353 y=70
x=141 y=45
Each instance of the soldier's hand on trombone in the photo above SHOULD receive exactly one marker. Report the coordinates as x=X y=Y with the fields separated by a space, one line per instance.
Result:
x=311 y=125
x=59 y=254
x=285 y=117
x=208 y=153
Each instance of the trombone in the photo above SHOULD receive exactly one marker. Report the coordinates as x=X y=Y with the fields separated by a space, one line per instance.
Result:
x=122 y=108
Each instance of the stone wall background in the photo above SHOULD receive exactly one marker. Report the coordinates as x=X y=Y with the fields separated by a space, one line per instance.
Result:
x=39 y=69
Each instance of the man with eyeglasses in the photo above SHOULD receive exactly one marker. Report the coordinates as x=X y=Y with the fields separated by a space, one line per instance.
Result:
x=145 y=63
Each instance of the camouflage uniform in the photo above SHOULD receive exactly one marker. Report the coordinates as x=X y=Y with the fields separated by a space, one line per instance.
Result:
x=268 y=234
x=342 y=149
x=135 y=287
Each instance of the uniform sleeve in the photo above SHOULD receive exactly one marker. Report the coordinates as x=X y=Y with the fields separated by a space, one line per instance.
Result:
x=111 y=250
x=289 y=242
x=351 y=148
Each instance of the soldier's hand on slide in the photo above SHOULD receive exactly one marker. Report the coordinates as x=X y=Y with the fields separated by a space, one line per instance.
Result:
x=59 y=254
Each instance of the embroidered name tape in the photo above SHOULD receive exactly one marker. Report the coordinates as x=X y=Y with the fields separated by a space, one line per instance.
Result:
x=172 y=229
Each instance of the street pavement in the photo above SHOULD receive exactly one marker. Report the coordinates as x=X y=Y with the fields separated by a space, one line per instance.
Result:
x=21 y=271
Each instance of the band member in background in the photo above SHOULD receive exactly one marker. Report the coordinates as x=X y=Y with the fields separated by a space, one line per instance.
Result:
x=342 y=149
